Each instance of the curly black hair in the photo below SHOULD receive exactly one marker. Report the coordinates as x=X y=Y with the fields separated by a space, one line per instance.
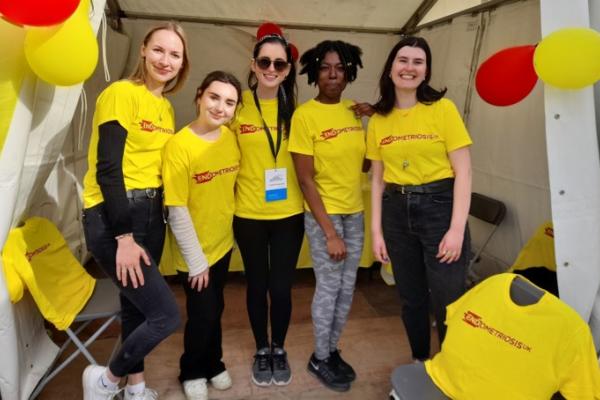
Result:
x=349 y=56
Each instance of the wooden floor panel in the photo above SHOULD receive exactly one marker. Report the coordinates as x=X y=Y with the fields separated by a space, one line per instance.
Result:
x=374 y=342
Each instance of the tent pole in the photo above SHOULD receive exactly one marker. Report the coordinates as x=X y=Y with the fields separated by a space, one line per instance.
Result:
x=574 y=172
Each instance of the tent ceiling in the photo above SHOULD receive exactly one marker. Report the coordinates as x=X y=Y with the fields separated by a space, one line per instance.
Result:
x=360 y=15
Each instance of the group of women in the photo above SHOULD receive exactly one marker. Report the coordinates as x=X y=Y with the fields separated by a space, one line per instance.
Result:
x=254 y=168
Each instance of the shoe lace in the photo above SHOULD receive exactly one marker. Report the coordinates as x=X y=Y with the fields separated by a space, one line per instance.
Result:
x=329 y=370
x=335 y=356
x=263 y=361
x=280 y=361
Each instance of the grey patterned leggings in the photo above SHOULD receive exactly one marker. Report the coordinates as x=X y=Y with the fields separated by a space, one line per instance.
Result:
x=335 y=279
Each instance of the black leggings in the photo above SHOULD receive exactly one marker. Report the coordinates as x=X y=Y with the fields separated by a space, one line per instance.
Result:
x=269 y=250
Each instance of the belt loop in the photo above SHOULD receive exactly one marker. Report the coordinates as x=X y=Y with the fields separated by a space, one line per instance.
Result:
x=151 y=193
x=402 y=190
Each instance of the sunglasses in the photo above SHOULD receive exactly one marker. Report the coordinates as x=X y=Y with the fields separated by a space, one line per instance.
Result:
x=265 y=62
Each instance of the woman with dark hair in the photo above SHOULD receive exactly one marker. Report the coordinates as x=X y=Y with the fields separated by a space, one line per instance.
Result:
x=268 y=222
x=122 y=216
x=421 y=190
x=201 y=163
x=328 y=146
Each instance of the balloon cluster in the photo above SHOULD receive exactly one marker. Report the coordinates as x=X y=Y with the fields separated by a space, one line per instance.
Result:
x=567 y=59
x=270 y=29
x=60 y=45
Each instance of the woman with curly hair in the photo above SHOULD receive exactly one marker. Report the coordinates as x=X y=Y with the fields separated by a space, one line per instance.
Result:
x=328 y=146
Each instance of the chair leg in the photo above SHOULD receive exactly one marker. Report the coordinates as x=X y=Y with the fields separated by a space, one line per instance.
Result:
x=115 y=349
x=81 y=348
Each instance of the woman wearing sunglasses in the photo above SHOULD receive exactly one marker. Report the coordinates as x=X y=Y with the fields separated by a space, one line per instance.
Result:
x=268 y=222
x=328 y=146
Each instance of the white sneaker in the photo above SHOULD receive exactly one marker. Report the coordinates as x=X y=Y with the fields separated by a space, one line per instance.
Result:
x=147 y=394
x=91 y=388
x=221 y=381
x=195 y=389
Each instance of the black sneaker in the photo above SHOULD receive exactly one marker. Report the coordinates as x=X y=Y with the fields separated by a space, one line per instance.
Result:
x=282 y=375
x=345 y=368
x=262 y=373
x=328 y=374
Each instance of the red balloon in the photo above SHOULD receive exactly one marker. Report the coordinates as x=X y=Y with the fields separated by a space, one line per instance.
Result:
x=268 y=28
x=38 y=12
x=507 y=77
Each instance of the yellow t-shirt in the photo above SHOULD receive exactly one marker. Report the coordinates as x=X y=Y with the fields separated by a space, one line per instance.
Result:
x=538 y=251
x=200 y=175
x=256 y=158
x=38 y=254
x=414 y=143
x=149 y=121
x=334 y=136
x=496 y=349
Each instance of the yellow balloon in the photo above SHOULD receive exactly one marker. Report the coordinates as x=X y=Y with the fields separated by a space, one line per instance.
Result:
x=65 y=54
x=12 y=70
x=569 y=58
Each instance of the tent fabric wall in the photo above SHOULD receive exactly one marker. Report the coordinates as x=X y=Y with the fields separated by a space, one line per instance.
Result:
x=21 y=327
x=228 y=48
x=509 y=154
x=34 y=141
x=509 y=151
x=380 y=15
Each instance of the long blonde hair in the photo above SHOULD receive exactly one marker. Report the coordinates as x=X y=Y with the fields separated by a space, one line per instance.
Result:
x=172 y=86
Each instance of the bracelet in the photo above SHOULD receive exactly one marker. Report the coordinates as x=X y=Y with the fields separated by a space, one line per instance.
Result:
x=123 y=235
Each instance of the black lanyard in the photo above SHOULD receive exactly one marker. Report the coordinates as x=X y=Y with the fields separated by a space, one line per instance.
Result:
x=274 y=149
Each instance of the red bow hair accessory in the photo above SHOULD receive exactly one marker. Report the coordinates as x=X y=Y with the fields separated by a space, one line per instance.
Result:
x=268 y=28
x=294 y=51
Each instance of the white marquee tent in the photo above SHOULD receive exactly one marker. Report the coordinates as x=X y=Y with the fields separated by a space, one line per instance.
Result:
x=540 y=157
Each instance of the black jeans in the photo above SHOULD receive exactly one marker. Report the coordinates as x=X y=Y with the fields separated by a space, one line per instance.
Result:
x=413 y=227
x=270 y=250
x=149 y=313
x=202 y=340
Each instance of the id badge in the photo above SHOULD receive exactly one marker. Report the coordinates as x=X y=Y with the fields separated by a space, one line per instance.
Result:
x=276 y=184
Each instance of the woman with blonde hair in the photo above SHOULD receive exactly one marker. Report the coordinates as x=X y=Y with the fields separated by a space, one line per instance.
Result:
x=122 y=217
